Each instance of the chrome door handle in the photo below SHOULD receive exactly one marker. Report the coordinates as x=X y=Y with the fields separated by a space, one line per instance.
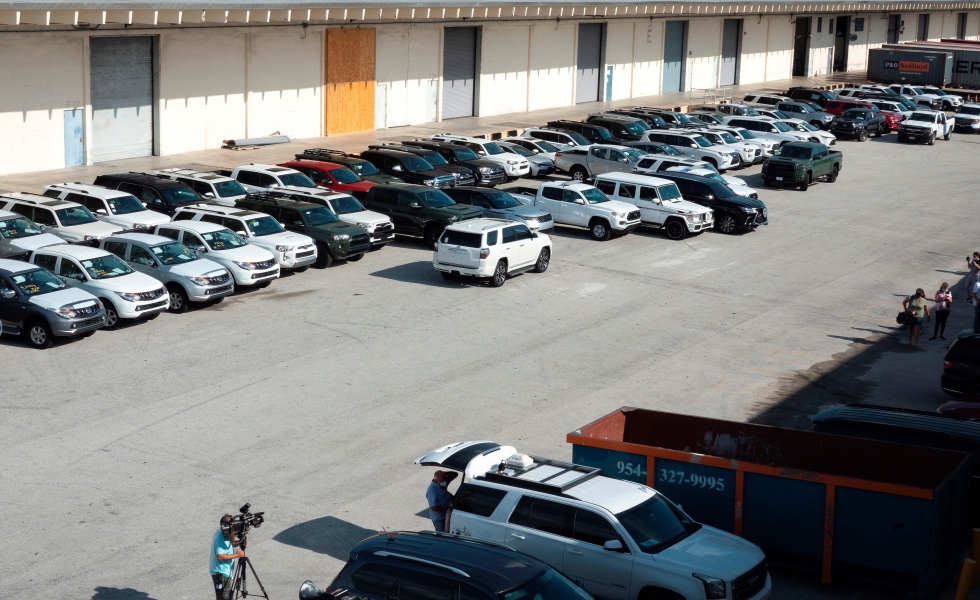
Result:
x=520 y=537
x=575 y=552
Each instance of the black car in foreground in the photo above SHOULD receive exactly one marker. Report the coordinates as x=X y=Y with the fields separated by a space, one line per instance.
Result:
x=410 y=167
x=961 y=365
x=732 y=212
x=432 y=566
x=463 y=175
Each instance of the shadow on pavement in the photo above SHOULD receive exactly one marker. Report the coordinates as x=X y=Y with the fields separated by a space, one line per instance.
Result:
x=110 y=593
x=419 y=272
x=326 y=535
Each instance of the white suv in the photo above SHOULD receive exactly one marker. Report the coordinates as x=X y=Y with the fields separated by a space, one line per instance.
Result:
x=70 y=221
x=346 y=208
x=109 y=206
x=292 y=250
x=218 y=189
x=248 y=264
x=619 y=539
x=514 y=166
x=693 y=144
x=125 y=293
x=764 y=99
x=491 y=248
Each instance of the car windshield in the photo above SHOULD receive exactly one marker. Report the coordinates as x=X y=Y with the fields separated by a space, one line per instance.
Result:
x=223 y=239
x=434 y=198
x=345 y=205
x=76 y=215
x=177 y=196
x=670 y=150
x=637 y=127
x=415 y=164
x=434 y=158
x=779 y=114
x=682 y=118
x=669 y=193
x=105 y=267
x=492 y=148
x=803 y=126
x=656 y=523
x=37 y=282
x=726 y=137
x=594 y=196
x=969 y=110
x=917 y=91
x=908 y=104
x=363 y=168
x=296 y=179
x=344 y=176
x=319 y=215
x=465 y=154
x=603 y=133
x=229 y=188
x=549 y=585
x=516 y=149
x=656 y=121
x=701 y=141
x=632 y=155
x=746 y=134
x=500 y=199
x=804 y=108
x=18 y=227
x=173 y=253
x=263 y=226
x=124 y=205
x=791 y=151
x=783 y=127
x=926 y=117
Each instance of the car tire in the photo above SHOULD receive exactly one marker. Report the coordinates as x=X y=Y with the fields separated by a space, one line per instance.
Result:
x=948 y=136
x=577 y=173
x=932 y=139
x=178 y=299
x=499 y=276
x=600 y=229
x=431 y=235
x=449 y=276
x=38 y=334
x=111 y=316
x=726 y=223
x=712 y=162
x=355 y=257
x=544 y=259
x=833 y=174
x=807 y=180
x=863 y=136
x=675 y=229
x=324 y=259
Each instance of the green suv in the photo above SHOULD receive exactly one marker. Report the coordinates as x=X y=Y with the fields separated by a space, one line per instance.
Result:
x=418 y=210
x=335 y=239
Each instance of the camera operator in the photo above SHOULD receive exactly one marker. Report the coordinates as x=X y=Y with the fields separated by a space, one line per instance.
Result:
x=223 y=555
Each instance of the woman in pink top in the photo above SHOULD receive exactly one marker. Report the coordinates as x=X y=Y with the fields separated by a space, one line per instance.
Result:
x=944 y=299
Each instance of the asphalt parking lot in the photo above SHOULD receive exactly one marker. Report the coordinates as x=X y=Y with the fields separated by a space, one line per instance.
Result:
x=311 y=398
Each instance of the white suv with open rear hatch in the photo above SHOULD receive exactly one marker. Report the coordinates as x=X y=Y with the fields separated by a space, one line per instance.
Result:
x=490 y=248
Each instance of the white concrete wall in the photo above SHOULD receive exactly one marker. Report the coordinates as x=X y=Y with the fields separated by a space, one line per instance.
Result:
x=285 y=78
x=619 y=55
x=503 y=69
x=752 y=62
x=973 y=26
x=202 y=89
x=648 y=57
x=703 y=53
x=551 y=74
x=779 y=64
x=407 y=63
x=821 y=47
x=42 y=75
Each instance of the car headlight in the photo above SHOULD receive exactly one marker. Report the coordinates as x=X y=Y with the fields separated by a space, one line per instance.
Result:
x=486 y=170
x=428 y=181
x=528 y=219
x=92 y=238
x=340 y=237
x=800 y=168
x=200 y=280
x=248 y=266
x=513 y=162
x=828 y=117
x=453 y=219
x=618 y=215
x=140 y=226
x=64 y=313
x=714 y=588
x=282 y=248
x=747 y=209
x=364 y=225
x=128 y=296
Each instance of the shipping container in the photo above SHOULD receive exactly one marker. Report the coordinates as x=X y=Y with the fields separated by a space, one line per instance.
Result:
x=888 y=513
x=914 y=67
x=966 y=60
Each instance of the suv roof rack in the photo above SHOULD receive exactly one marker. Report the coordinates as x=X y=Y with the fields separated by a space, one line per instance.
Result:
x=321 y=153
x=544 y=474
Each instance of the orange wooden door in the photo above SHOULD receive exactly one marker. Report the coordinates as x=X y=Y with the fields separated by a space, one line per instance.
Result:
x=350 y=83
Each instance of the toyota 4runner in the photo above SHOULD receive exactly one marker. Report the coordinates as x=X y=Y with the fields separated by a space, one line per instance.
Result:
x=490 y=248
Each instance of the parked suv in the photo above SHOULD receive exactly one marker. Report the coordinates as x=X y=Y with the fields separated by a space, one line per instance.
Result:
x=37 y=305
x=660 y=203
x=540 y=164
x=408 y=166
x=494 y=249
x=497 y=204
x=619 y=539
x=157 y=193
x=968 y=118
x=672 y=118
x=763 y=99
x=332 y=176
x=335 y=239
x=121 y=209
x=219 y=189
x=732 y=211
x=249 y=264
x=347 y=208
x=362 y=168
x=19 y=236
x=418 y=210
x=433 y=566
x=514 y=166
x=292 y=250
x=563 y=139
x=859 y=123
x=487 y=172
x=624 y=127
x=805 y=112
x=821 y=97
x=695 y=145
x=70 y=221
x=654 y=121
x=464 y=175
x=596 y=134
x=768 y=128
x=124 y=293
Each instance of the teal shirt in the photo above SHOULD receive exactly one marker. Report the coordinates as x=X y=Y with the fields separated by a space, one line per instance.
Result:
x=221 y=545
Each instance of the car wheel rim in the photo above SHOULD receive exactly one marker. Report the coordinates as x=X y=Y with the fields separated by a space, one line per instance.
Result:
x=727 y=224
x=111 y=318
x=543 y=260
x=578 y=176
x=38 y=335
x=501 y=274
x=176 y=301
x=674 y=230
x=599 y=231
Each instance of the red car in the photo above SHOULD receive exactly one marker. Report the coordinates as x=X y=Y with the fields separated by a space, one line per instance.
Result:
x=332 y=176
x=837 y=107
x=892 y=119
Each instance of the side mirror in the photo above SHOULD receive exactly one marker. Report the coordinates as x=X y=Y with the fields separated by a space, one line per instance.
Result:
x=200 y=249
x=536 y=151
x=152 y=264
x=414 y=205
x=101 y=211
x=79 y=276
x=209 y=195
x=242 y=234
x=481 y=152
x=694 y=145
x=613 y=546
x=273 y=186
x=534 y=235
x=710 y=197
x=41 y=227
x=397 y=168
x=8 y=294
x=580 y=201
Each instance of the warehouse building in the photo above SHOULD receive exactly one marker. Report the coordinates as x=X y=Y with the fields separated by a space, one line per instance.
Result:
x=95 y=82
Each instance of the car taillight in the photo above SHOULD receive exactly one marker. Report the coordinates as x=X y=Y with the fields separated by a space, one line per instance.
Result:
x=948 y=365
x=557 y=154
x=484 y=252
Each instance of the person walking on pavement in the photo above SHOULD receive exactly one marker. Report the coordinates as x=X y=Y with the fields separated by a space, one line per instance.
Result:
x=944 y=300
x=439 y=499
x=919 y=310
x=973 y=262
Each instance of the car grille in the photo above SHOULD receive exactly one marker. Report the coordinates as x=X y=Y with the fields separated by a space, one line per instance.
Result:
x=758 y=151
x=220 y=290
x=84 y=312
x=152 y=306
x=265 y=264
x=152 y=295
x=965 y=120
x=263 y=274
x=384 y=228
x=89 y=322
x=914 y=130
x=304 y=254
x=223 y=278
x=780 y=168
x=360 y=242
x=545 y=218
x=633 y=215
x=444 y=182
x=467 y=178
x=750 y=583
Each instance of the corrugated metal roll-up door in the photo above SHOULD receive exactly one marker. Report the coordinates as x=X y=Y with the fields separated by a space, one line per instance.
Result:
x=731 y=35
x=122 y=97
x=458 y=72
x=675 y=42
x=589 y=62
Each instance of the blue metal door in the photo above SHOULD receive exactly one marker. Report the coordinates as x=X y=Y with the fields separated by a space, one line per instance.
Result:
x=675 y=41
x=74 y=148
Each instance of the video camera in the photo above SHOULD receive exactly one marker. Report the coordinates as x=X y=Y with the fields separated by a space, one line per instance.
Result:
x=241 y=523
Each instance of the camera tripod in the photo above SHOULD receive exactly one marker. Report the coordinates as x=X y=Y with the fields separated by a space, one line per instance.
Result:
x=239 y=583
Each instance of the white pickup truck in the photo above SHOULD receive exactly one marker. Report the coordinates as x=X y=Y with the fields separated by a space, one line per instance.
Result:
x=583 y=164
x=925 y=126
x=581 y=205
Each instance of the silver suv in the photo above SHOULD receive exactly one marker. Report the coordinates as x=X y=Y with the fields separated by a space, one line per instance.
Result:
x=621 y=540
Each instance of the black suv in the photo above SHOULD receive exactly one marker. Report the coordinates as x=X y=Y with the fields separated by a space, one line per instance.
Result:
x=432 y=566
x=732 y=212
x=821 y=97
x=673 y=119
x=487 y=172
x=624 y=127
x=654 y=121
x=417 y=209
x=596 y=134
x=961 y=365
x=335 y=239
x=408 y=166
x=464 y=175
x=157 y=193
x=363 y=168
